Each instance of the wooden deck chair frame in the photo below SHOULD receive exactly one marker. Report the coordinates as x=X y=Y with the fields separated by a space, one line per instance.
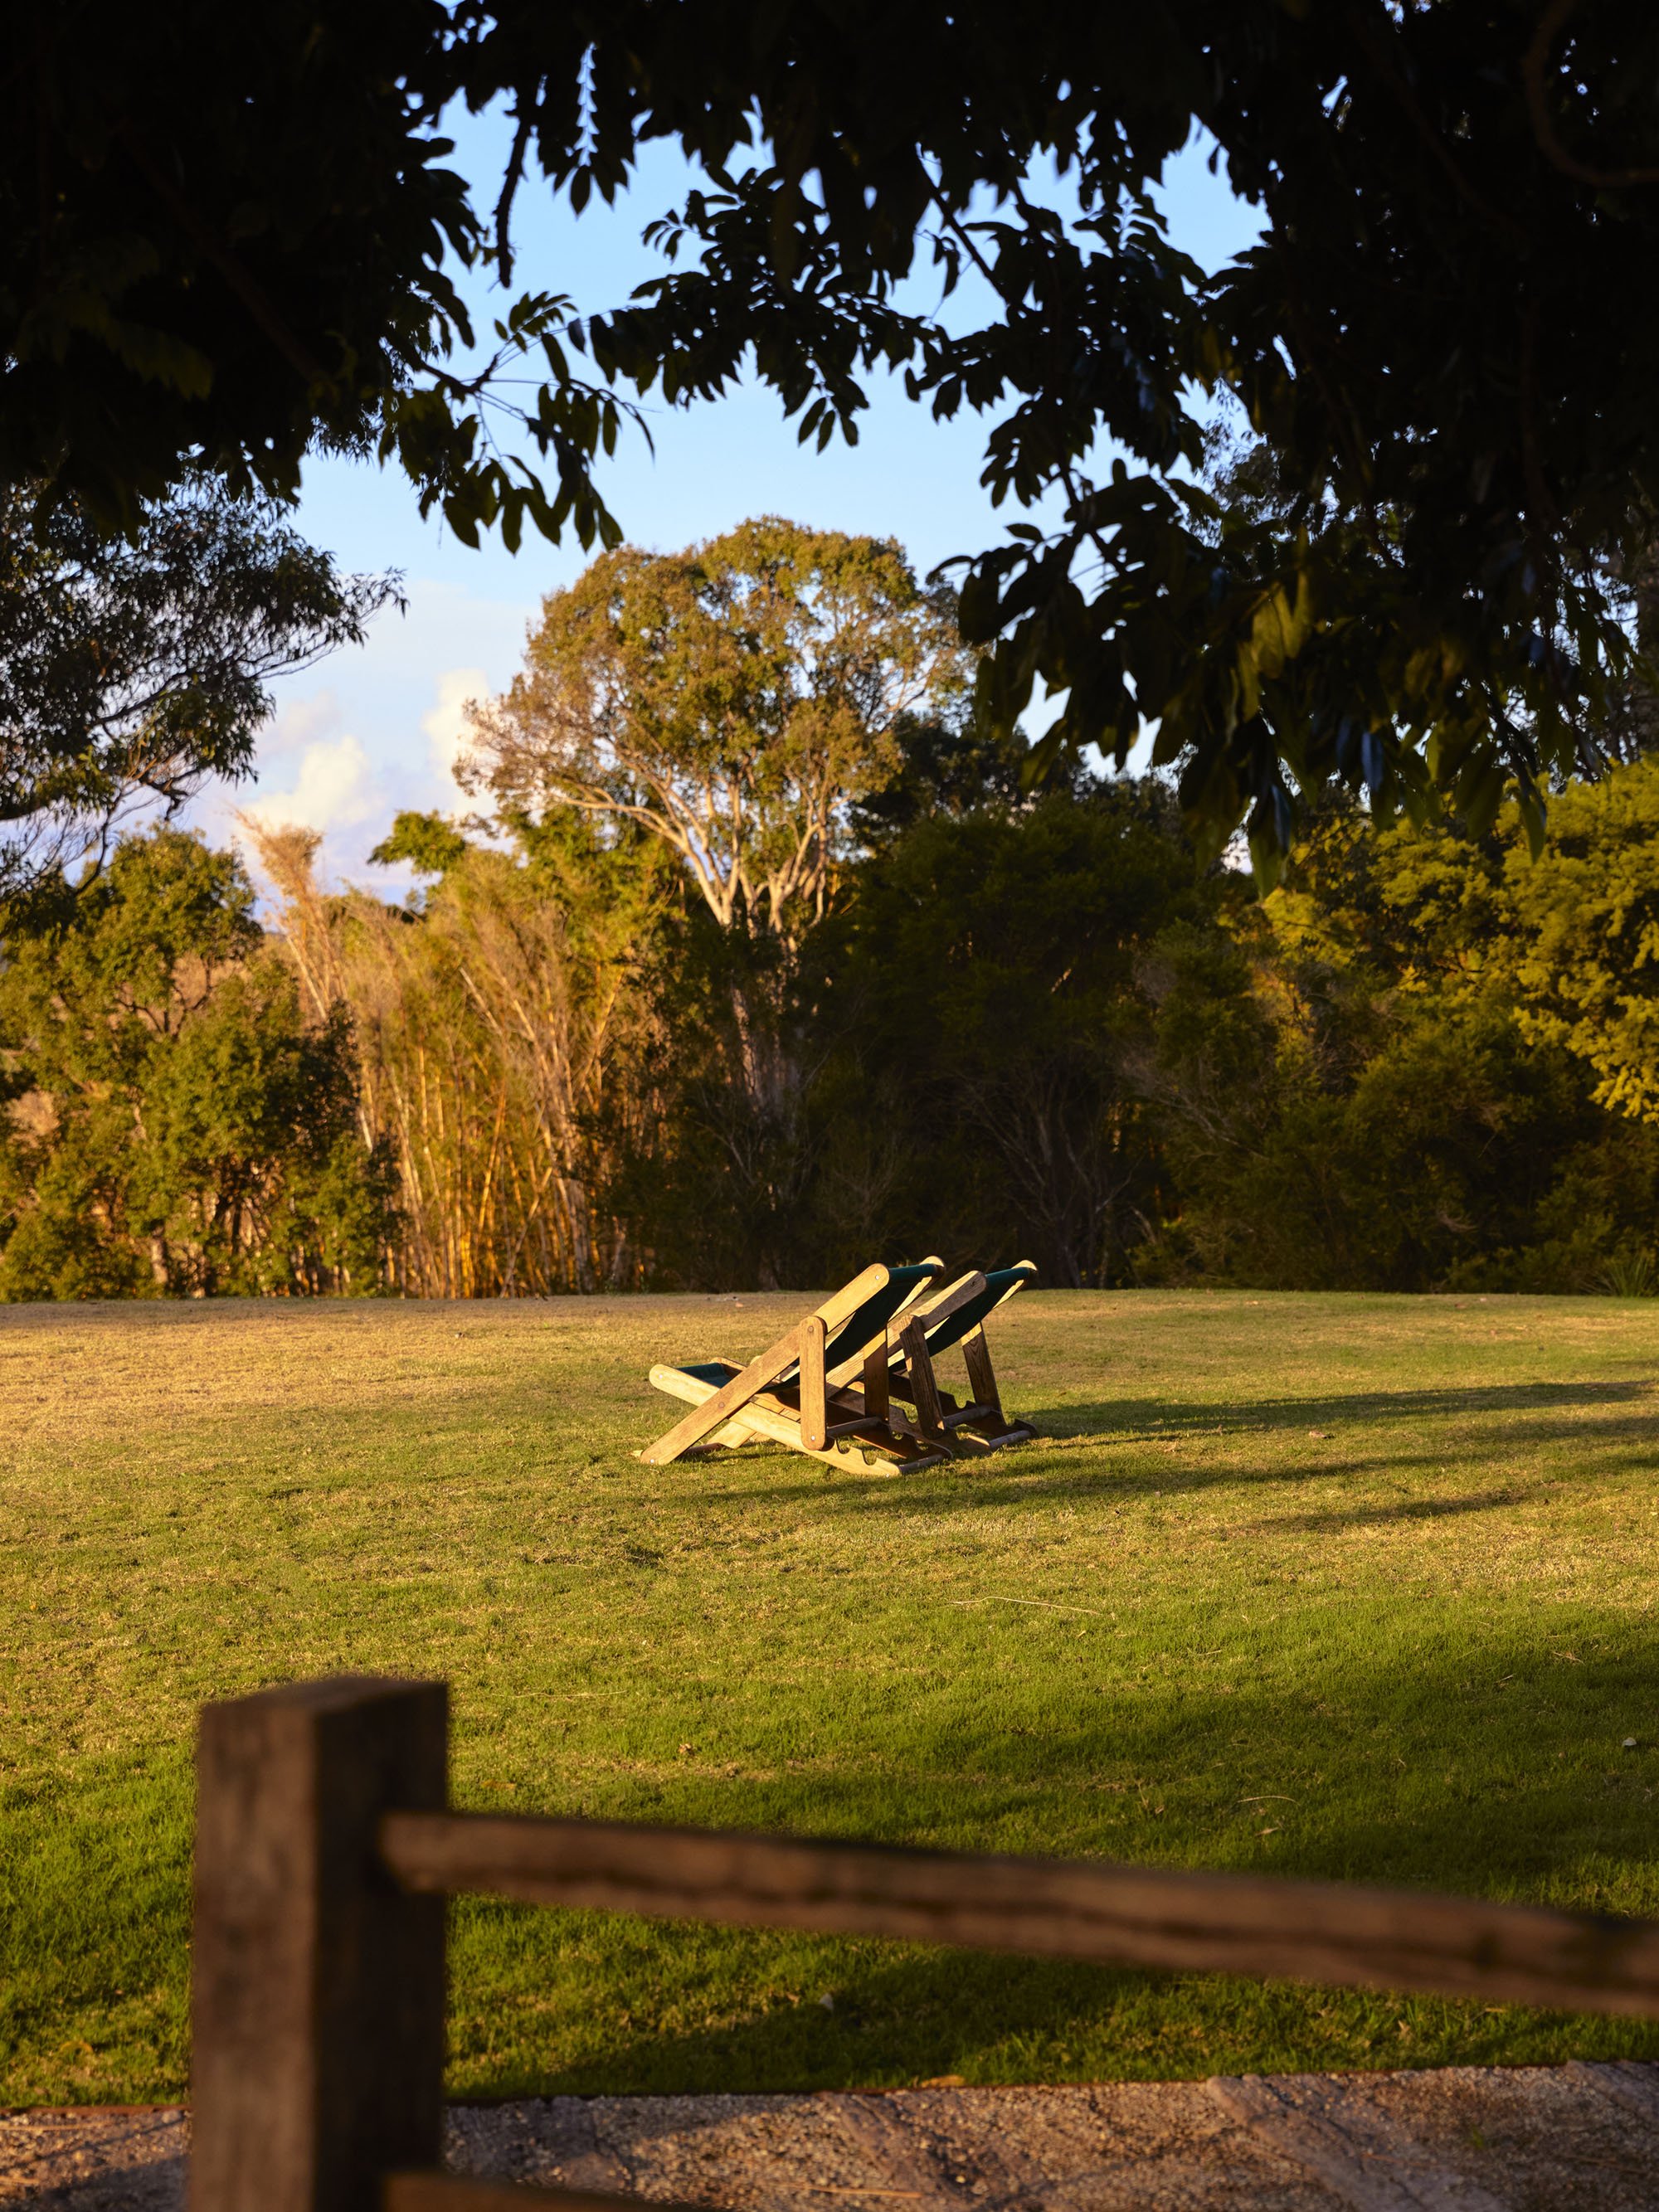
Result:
x=957 y=1315
x=796 y=1392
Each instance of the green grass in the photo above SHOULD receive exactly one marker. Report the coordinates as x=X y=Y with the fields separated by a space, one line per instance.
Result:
x=1352 y=1587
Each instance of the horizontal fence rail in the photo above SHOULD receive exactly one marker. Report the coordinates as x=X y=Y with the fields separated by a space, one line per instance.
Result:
x=1329 y=1932
x=323 y=1851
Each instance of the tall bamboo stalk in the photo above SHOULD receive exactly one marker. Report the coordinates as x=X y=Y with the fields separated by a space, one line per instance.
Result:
x=488 y=1042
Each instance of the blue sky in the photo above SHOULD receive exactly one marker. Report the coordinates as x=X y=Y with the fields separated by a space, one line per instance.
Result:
x=376 y=728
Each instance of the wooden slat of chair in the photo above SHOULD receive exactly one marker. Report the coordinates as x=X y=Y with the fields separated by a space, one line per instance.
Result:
x=845 y=1370
x=814 y=1412
x=919 y=1379
x=876 y=1397
x=776 y=1361
x=765 y=1416
x=982 y=1376
x=983 y=1425
x=980 y=1425
x=945 y=1302
x=714 y=1411
x=845 y=1413
x=869 y=1373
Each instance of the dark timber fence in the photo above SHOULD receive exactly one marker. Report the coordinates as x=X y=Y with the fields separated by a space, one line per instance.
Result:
x=325 y=1848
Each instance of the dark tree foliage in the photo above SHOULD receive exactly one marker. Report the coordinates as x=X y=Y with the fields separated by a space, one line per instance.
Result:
x=225 y=234
x=1040 y=1027
x=133 y=669
x=992 y=993
x=1426 y=1062
x=946 y=768
x=228 y=235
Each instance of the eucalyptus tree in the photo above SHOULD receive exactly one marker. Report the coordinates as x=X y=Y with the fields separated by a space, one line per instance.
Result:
x=735 y=700
x=733 y=703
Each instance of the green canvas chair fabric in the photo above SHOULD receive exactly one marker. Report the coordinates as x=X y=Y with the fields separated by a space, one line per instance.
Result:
x=996 y=1288
x=867 y=1325
x=958 y=1316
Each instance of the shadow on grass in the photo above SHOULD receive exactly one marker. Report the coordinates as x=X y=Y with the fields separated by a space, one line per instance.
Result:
x=1485 y=1773
x=1487 y=1765
x=1030 y=1472
x=1151 y=1420
x=939 y=1492
x=895 y=2020
x=1409 y=1509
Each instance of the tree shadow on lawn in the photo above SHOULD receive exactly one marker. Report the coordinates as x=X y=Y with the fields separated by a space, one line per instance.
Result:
x=895 y=2020
x=1139 y=1420
x=1029 y=1475
x=1496 y=1771
x=1410 y=1508
x=1387 y=1745
x=1030 y=1471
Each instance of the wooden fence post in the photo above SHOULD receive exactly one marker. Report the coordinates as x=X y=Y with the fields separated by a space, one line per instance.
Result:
x=317 y=2002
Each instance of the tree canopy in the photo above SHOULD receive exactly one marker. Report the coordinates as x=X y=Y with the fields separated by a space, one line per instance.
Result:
x=1442 y=336
x=736 y=701
x=169 y=1122
x=133 y=669
x=1424 y=1062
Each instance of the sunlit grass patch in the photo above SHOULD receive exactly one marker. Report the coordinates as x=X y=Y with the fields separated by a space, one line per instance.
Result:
x=1354 y=1587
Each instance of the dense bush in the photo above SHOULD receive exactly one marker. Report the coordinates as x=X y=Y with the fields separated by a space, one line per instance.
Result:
x=1432 y=1066
x=176 y=1125
x=1045 y=1029
x=1423 y=1062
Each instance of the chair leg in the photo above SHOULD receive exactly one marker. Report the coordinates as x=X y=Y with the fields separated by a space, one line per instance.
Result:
x=982 y=1376
x=876 y=1401
x=814 y=1413
x=983 y=1426
x=713 y=1411
x=922 y=1387
x=853 y=1446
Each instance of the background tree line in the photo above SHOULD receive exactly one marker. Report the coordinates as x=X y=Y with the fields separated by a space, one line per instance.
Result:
x=759 y=959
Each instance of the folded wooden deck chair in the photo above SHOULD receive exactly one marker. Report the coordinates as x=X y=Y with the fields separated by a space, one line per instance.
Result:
x=796 y=1392
x=955 y=1315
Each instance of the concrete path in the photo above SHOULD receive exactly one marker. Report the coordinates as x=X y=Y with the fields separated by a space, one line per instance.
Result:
x=1577 y=2138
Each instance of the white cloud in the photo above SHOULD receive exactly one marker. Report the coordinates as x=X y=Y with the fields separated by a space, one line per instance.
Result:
x=335 y=788
x=383 y=732
x=297 y=724
x=447 y=736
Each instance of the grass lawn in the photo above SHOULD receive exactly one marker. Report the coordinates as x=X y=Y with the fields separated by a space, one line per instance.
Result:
x=1355 y=1586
